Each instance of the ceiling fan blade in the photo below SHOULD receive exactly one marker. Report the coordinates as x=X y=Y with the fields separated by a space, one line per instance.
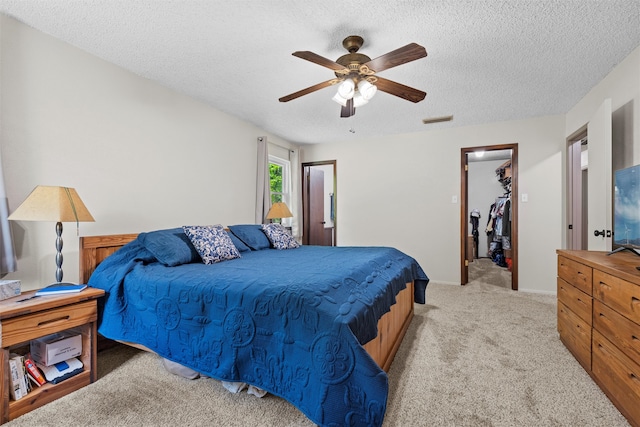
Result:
x=308 y=90
x=400 y=56
x=348 y=110
x=320 y=60
x=400 y=90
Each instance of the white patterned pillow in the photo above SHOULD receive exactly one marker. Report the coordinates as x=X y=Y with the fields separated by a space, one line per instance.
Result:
x=279 y=236
x=212 y=243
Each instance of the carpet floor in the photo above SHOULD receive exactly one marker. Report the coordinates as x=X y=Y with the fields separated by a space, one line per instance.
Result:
x=475 y=355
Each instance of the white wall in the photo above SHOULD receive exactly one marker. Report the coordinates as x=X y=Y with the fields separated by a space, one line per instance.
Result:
x=141 y=156
x=397 y=191
x=622 y=85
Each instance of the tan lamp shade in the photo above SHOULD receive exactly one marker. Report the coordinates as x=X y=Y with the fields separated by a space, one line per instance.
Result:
x=279 y=210
x=59 y=204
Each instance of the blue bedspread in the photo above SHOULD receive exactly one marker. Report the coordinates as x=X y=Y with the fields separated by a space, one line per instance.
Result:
x=290 y=322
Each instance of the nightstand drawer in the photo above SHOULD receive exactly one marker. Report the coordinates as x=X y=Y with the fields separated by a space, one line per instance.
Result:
x=24 y=328
x=576 y=300
x=619 y=294
x=579 y=275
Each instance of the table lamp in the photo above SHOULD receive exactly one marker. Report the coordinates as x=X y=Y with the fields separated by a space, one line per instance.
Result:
x=279 y=210
x=60 y=204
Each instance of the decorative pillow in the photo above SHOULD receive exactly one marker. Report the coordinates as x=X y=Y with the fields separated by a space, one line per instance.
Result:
x=171 y=247
x=251 y=235
x=212 y=243
x=239 y=244
x=280 y=236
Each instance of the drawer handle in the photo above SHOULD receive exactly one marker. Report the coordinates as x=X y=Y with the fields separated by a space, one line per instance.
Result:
x=604 y=285
x=634 y=377
x=602 y=349
x=635 y=301
x=59 y=319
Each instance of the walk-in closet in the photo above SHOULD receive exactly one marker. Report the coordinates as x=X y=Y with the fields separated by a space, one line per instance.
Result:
x=489 y=215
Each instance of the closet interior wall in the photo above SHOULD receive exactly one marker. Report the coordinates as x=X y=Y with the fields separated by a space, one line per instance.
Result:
x=483 y=189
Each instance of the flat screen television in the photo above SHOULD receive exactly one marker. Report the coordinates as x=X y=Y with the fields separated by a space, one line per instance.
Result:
x=626 y=209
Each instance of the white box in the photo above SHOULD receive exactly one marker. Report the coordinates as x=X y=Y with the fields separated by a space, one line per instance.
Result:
x=55 y=348
x=9 y=288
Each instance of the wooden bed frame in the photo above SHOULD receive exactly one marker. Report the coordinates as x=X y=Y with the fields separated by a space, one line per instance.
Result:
x=392 y=327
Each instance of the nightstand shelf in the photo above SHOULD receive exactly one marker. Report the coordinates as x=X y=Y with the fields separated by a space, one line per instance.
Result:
x=23 y=321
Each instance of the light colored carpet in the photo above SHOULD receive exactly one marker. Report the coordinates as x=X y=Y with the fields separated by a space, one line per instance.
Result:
x=478 y=355
x=486 y=271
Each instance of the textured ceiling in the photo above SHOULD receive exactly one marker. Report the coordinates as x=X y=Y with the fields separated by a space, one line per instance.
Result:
x=487 y=61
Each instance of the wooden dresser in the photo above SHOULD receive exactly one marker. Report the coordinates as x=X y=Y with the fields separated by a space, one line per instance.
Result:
x=599 y=321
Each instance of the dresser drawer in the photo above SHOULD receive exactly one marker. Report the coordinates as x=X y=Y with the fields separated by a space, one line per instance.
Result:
x=576 y=300
x=622 y=332
x=27 y=327
x=575 y=334
x=619 y=294
x=579 y=275
x=618 y=375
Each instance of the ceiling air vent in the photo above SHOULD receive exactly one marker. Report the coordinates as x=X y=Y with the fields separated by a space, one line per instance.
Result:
x=437 y=119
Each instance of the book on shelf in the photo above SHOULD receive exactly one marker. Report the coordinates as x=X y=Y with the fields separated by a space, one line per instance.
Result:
x=61 y=288
x=19 y=382
x=34 y=373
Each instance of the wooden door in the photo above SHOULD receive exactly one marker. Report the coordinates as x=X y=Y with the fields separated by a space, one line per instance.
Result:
x=599 y=179
x=316 y=207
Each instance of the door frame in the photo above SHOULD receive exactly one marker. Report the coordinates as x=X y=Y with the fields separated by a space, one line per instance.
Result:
x=576 y=223
x=464 y=223
x=305 y=213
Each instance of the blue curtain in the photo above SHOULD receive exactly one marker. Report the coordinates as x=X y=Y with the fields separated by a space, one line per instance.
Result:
x=8 y=261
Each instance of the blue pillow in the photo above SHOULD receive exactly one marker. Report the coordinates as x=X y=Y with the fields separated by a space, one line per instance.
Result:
x=252 y=236
x=238 y=243
x=171 y=247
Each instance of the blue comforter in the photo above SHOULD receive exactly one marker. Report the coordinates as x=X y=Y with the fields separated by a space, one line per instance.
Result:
x=288 y=321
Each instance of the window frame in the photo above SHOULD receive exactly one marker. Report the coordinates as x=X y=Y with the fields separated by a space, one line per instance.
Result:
x=285 y=164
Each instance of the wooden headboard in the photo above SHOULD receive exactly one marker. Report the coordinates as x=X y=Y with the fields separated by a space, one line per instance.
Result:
x=94 y=249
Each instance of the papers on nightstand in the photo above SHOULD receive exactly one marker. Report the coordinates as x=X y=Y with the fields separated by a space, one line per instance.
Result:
x=60 y=288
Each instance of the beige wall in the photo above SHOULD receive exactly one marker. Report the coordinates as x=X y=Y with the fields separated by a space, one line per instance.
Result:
x=397 y=191
x=141 y=156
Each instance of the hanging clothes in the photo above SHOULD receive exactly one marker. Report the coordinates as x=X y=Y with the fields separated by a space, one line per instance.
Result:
x=498 y=230
x=474 y=219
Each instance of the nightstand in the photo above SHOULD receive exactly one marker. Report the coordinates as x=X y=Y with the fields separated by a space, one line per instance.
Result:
x=21 y=322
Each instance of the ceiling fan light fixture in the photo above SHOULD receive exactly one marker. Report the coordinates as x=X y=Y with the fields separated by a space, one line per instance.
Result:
x=339 y=99
x=359 y=100
x=347 y=88
x=366 y=89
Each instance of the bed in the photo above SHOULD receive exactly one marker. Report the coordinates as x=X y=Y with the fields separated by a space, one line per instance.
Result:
x=318 y=326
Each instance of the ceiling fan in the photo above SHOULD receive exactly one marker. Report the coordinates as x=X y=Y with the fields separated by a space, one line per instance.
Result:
x=356 y=75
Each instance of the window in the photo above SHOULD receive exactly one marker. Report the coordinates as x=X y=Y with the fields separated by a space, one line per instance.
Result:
x=280 y=184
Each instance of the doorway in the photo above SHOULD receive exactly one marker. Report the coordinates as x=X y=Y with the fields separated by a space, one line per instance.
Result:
x=468 y=247
x=594 y=152
x=577 y=194
x=319 y=203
